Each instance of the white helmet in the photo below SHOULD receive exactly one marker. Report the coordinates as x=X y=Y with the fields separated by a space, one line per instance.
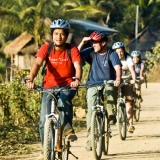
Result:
x=60 y=23
x=117 y=45
x=135 y=53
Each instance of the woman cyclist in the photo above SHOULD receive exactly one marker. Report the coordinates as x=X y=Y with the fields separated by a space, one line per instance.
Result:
x=139 y=69
x=128 y=73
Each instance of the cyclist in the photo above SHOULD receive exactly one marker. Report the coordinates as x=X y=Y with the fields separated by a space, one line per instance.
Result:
x=105 y=65
x=60 y=72
x=139 y=69
x=129 y=73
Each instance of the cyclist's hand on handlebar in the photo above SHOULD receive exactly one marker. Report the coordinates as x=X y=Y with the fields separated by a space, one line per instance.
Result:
x=142 y=78
x=116 y=83
x=74 y=83
x=132 y=81
x=29 y=83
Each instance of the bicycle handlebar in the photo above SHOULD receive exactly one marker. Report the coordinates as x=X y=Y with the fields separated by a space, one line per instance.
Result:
x=105 y=82
x=40 y=88
x=64 y=88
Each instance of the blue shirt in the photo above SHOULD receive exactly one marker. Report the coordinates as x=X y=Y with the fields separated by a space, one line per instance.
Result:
x=137 y=68
x=102 y=66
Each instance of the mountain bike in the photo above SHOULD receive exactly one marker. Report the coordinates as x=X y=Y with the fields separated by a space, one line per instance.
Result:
x=121 y=113
x=56 y=145
x=136 y=104
x=100 y=127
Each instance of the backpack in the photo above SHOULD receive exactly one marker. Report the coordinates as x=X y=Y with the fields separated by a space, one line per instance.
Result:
x=50 y=47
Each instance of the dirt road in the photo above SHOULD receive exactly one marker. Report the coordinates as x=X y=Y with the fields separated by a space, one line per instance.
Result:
x=143 y=144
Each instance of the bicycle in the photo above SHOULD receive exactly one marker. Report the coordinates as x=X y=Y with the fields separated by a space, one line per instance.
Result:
x=121 y=112
x=137 y=103
x=100 y=127
x=56 y=146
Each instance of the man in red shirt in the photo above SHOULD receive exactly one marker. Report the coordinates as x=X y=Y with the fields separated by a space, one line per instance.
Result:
x=60 y=70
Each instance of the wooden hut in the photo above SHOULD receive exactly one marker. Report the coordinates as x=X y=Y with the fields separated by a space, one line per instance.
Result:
x=21 y=52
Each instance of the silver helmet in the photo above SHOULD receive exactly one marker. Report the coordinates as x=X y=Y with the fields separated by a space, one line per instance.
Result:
x=117 y=45
x=135 y=53
x=60 y=23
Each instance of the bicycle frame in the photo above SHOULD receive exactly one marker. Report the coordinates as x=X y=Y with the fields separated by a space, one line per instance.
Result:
x=56 y=119
x=53 y=115
x=121 y=112
x=100 y=128
x=98 y=96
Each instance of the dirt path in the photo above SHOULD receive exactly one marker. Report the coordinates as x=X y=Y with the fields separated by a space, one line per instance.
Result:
x=143 y=144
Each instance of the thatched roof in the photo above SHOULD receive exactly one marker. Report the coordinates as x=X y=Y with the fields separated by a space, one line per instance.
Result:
x=146 y=39
x=22 y=44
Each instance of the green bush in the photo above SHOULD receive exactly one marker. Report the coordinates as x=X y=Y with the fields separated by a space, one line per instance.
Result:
x=19 y=112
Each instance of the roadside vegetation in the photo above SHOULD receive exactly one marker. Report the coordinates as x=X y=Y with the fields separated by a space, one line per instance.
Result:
x=19 y=107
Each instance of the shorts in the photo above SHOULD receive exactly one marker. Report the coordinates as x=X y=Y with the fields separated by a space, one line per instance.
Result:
x=127 y=92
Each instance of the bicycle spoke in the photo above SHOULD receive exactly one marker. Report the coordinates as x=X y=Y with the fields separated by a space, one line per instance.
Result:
x=96 y=135
x=121 y=121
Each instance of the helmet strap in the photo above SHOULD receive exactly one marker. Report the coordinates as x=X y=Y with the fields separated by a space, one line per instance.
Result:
x=102 y=46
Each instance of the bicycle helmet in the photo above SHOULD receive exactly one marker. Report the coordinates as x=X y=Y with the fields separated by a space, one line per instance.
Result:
x=118 y=45
x=98 y=36
x=135 y=53
x=60 y=23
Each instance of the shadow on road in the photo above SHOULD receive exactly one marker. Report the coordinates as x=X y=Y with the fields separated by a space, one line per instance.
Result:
x=130 y=155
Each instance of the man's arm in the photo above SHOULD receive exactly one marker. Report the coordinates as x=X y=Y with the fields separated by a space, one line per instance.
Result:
x=34 y=71
x=78 y=68
x=133 y=73
x=83 y=42
x=142 y=72
x=118 y=70
x=78 y=74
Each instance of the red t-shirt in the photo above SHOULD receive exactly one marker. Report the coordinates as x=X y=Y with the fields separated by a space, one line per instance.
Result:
x=59 y=66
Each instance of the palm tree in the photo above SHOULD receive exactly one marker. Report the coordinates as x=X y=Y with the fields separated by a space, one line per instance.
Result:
x=31 y=16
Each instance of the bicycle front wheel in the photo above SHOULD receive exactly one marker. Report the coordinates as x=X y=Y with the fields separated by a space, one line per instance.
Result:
x=137 y=109
x=106 y=136
x=122 y=120
x=96 y=134
x=49 y=140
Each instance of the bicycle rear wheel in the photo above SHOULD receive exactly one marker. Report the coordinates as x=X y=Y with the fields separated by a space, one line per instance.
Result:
x=122 y=120
x=65 y=150
x=49 y=140
x=137 y=110
x=106 y=136
x=96 y=134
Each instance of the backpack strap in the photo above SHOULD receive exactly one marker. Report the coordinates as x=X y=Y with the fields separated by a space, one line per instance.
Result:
x=68 y=47
x=50 y=47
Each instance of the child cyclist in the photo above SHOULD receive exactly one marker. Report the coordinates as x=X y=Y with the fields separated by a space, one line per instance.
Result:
x=139 y=69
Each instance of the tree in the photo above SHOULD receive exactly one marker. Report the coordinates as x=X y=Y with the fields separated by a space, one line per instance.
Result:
x=27 y=15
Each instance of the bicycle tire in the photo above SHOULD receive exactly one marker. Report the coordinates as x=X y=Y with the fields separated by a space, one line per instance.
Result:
x=65 y=151
x=96 y=134
x=106 y=136
x=137 y=110
x=49 y=140
x=122 y=121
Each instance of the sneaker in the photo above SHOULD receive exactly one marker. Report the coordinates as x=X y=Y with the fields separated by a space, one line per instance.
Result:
x=72 y=137
x=88 y=146
x=41 y=157
x=131 y=129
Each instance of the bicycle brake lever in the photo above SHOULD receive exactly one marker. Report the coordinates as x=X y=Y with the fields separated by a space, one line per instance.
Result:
x=38 y=88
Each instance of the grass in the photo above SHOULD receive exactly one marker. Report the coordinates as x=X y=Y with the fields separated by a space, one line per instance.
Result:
x=153 y=75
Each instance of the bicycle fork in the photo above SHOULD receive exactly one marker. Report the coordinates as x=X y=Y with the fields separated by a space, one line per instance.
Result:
x=55 y=119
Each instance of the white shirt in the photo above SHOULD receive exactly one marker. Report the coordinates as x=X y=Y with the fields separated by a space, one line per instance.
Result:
x=125 y=66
